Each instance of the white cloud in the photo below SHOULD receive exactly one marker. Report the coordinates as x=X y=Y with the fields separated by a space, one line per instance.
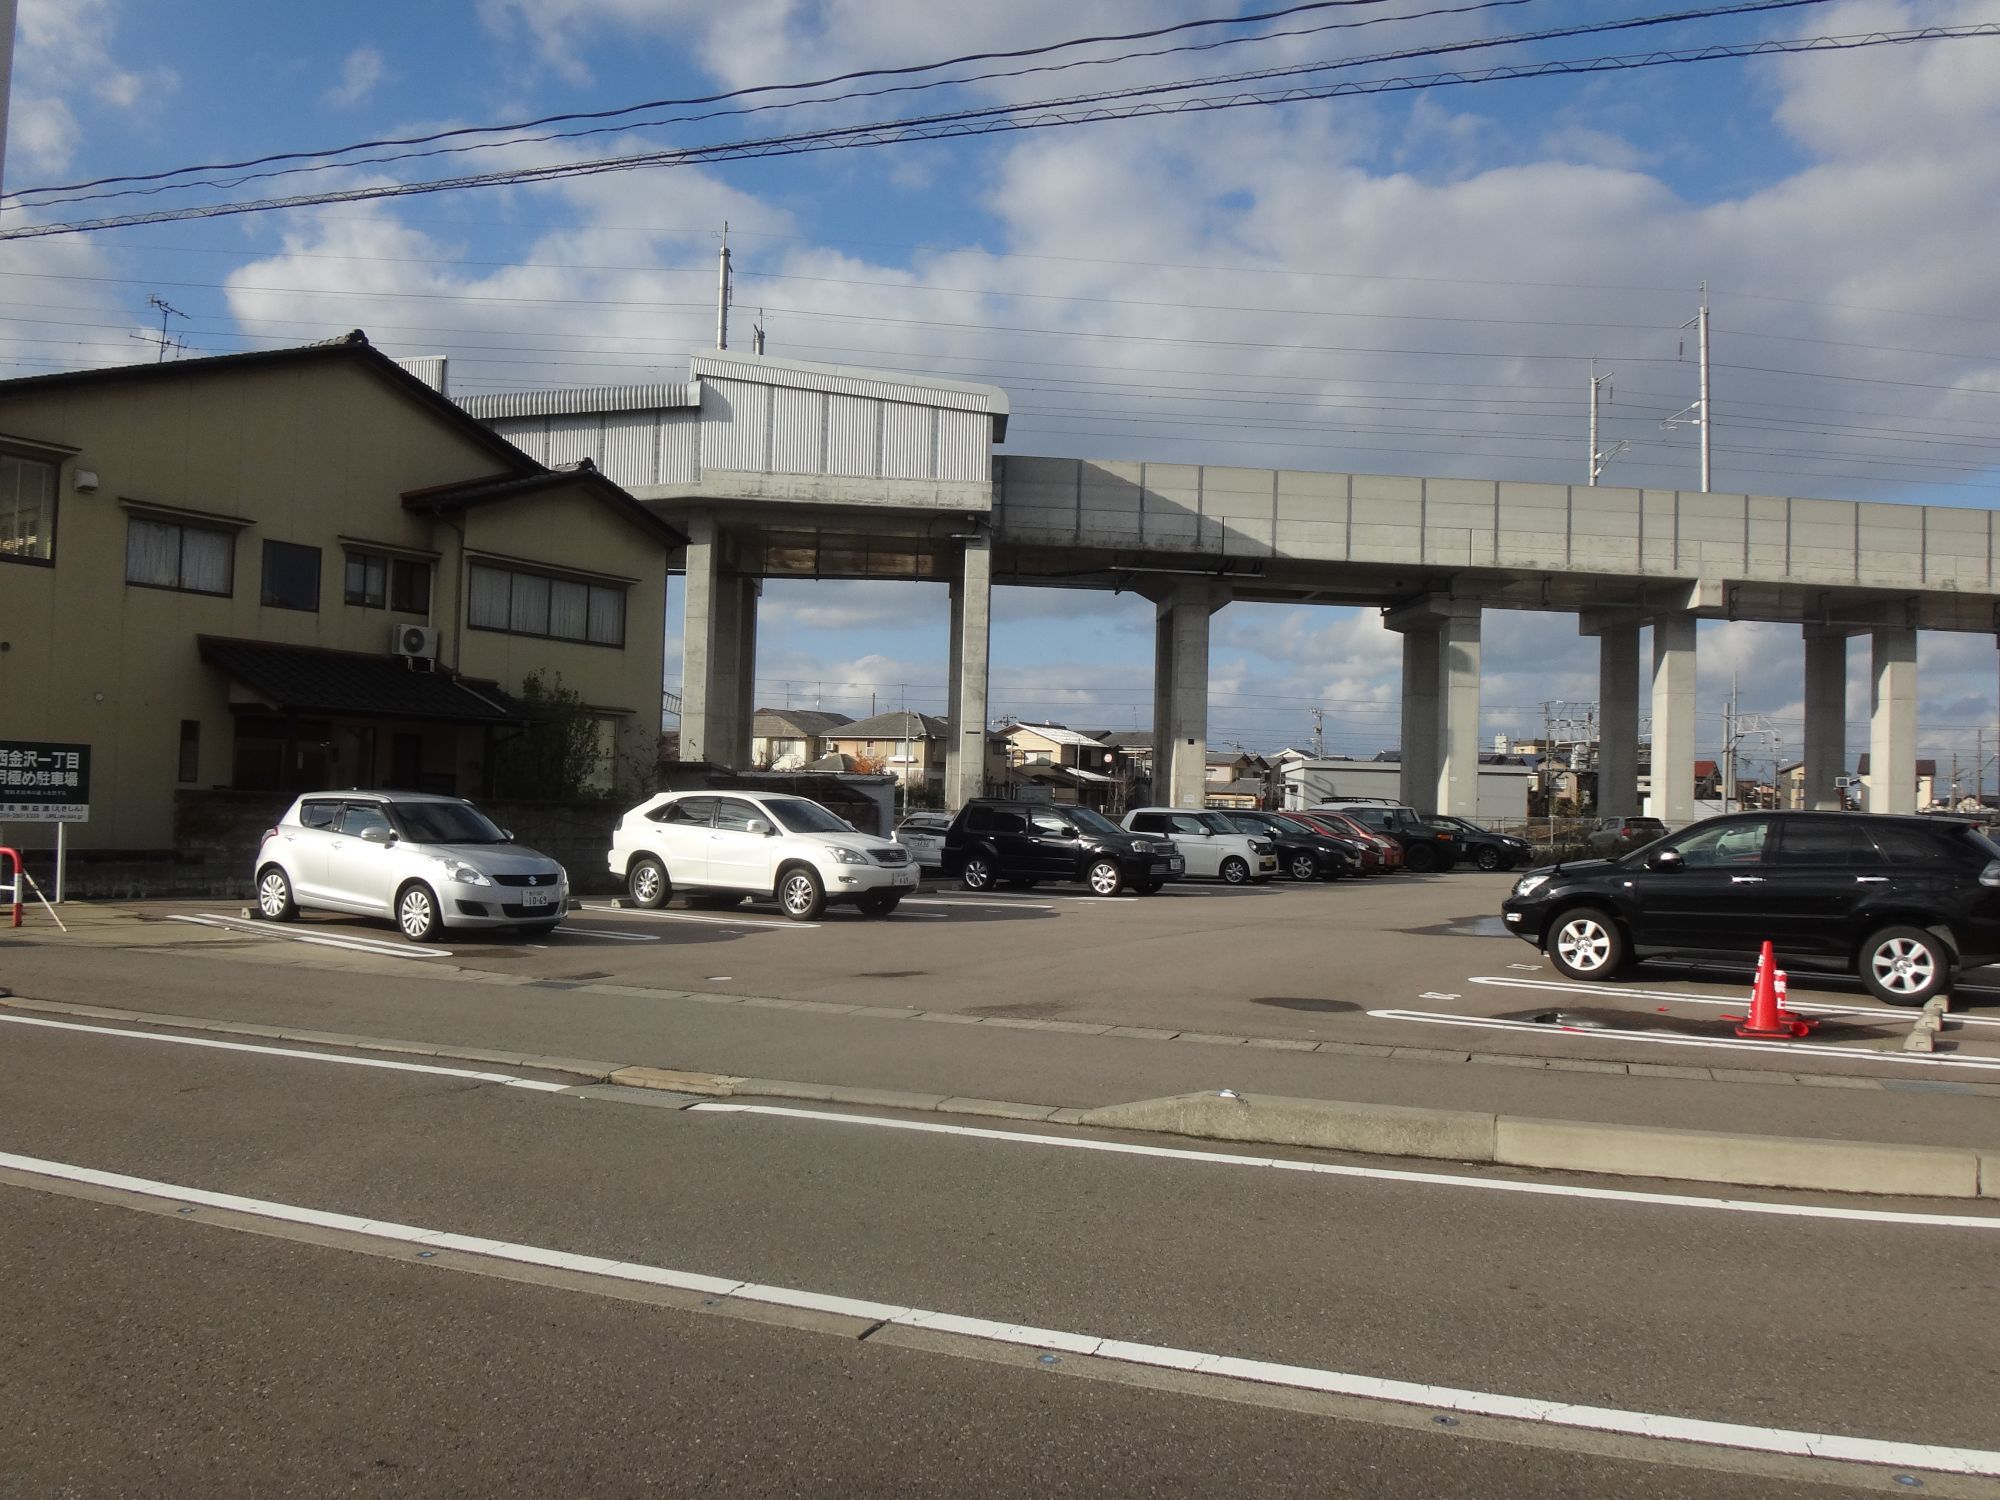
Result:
x=64 y=51
x=360 y=72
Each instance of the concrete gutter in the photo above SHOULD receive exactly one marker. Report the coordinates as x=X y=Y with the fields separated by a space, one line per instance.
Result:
x=1268 y=1119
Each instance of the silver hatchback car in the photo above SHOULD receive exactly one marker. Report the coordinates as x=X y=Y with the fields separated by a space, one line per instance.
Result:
x=427 y=862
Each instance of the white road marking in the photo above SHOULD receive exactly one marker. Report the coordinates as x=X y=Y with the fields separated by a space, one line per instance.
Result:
x=969 y=901
x=1792 y=1001
x=1936 y=1458
x=534 y=1085
x=591 y=935
x=645 y=914
x=1378 y=1174
x=1790 y=1049
x=352 y=944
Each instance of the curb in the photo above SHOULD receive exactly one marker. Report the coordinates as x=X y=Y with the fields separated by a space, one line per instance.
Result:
x=1864 y=1167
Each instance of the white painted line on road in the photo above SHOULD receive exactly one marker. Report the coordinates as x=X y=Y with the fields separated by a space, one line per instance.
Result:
x=1609 y=1034
x=352 y=944
x=1838 y=1447
x=967 y=901
x=1378 y=1174
x=534 y=1085
x=1792 y=1002
x=594 y=936
x=648 y=914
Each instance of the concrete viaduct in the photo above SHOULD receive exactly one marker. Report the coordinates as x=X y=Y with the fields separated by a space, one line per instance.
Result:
x=781 y=469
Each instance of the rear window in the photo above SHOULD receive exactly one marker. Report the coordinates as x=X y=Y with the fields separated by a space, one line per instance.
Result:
x=1900 y=844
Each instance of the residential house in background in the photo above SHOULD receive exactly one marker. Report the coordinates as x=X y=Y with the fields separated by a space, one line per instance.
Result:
x=1926 y=780
x=304 y=568
x=1240 y=780
x=787 y=739
x=909 y=746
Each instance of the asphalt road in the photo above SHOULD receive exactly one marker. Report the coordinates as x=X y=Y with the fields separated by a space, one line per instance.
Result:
x=216 y=1351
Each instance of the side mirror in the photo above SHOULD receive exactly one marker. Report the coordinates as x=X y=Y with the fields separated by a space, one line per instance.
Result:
x=507 y=834
x=1666 y=859
x=384 y=836
x=759 y=827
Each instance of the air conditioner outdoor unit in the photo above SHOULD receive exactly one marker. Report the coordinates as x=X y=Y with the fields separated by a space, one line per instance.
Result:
x=413 y=640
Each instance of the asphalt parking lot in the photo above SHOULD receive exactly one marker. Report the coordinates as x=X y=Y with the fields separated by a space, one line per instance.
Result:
x=1411 y=962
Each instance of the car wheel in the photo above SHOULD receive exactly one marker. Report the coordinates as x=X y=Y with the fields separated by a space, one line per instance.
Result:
x=417 y=913
x=647 y=884
x=1904 y=965
x=1584 y=943
x=537 y=929
x=1105 y=878
x=1420 y=859
x=977 y=874
x=1303 y=867
x=1234 y=871
x=1487 y=858
x=274 y=895
x=800 y=894
x=879 y=903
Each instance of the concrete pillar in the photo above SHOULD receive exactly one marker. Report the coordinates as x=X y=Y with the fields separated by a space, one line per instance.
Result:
x=1419 y=748
x=971 y=652
x=718 y=651
x=1458 y=712
x=1672 y=795
x=1180 y=692
x=1825 y=749
x=1617 y=721
x=1892 y=722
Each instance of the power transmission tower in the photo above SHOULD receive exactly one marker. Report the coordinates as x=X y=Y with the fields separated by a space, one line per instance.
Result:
x=161 y=340
x=1319 y=732
x=1700 y=414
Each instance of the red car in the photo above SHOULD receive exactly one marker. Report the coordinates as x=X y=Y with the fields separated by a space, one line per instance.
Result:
x=1388 y=853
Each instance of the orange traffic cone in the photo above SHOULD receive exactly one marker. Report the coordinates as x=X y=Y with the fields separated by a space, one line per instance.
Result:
x=1778 y=983
x=1766 y=1020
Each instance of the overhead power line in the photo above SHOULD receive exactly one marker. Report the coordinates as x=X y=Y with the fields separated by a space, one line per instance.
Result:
x=1011 y=118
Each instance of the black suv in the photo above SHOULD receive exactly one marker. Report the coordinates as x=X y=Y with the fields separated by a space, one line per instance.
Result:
x=1019 y=843
x=1899 y=901
x=1484 y=847
x=1426 y=845
x=1304 y=853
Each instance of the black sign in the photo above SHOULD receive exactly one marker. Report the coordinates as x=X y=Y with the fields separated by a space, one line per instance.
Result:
x=44 y=783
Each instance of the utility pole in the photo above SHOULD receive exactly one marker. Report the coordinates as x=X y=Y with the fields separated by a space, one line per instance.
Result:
x=7 y=8
x=722 y=293
x=1598 y=456
x=1700 y=414
x=1319 y=732
x=757 y=334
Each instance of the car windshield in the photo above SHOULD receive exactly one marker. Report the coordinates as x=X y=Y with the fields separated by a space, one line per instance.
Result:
x=797 y=815
x=1216 y=823
x=445 y=823
x=1293 y=825
x=1092 y=821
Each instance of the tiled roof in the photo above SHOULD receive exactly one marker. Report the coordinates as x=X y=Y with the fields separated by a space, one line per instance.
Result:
x=308 y=679
x=776 y=723
x=1055 y=734
x=897 y=724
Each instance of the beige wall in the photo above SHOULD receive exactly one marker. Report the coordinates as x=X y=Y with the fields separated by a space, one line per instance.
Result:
x=309 y=454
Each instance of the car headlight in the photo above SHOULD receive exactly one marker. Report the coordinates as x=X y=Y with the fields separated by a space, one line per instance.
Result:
x=1527 y=885
x=458 y=870
x=1141 y=846
x=849 y=856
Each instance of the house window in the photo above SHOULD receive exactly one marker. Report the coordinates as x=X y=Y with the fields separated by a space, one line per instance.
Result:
x=563 y=609
x=27 y=510
x=291 y=576
x=401 y=583
x=190 y=765
x=174 y=555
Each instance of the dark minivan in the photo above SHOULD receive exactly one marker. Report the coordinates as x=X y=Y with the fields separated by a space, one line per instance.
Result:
x=993 y=842
x=1898 y=901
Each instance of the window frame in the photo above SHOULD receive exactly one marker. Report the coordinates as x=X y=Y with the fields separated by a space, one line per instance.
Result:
x=54 y=508
x=181 y=527
x=592 y=588
x=264 y=595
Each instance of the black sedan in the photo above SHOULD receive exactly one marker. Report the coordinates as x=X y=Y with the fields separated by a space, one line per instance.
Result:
x=1304 y=852
x=1484 y=847
x=1898 y=901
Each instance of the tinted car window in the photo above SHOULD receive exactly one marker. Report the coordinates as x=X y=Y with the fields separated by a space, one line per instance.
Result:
x=1047 y=822
x=1900 y=844
x=1149 y=822
x=734 y=814
x=1724 y=844
x=979 y=819
x=318 y=814
x=358 y=817
x=1821 y=842
x=446 y=823
x=698 y=811
x=1187 y=823
x=1092 y=821
x=1004 y=821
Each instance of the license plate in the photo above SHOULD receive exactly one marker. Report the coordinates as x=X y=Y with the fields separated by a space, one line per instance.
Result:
x=1267 y=863
x=532 y=897
x=1175 y=865
x=906 y=877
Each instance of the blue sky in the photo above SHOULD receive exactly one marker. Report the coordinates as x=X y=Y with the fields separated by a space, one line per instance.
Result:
x=1407 y=283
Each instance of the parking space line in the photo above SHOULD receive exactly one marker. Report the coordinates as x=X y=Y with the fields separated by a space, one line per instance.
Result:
x=1545 y=1412
x=1377 y=1174
x=272 y=930
x=653 y=915
x=1591 y=1033
x=1792 y=1002
x=534 y=1085
x=970 y=901
x=605 y=937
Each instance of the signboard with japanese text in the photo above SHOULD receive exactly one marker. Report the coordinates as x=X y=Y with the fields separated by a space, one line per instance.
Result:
x=41 y=783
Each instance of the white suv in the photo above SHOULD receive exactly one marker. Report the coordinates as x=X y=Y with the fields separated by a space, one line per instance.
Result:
x=1211 y=845
x=428 y=862
x=733 y=844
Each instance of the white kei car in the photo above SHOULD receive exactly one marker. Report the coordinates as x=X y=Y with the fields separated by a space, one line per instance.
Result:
x=721 y=846
x=425 y=861
x=1211 y=844
x=922 y=833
